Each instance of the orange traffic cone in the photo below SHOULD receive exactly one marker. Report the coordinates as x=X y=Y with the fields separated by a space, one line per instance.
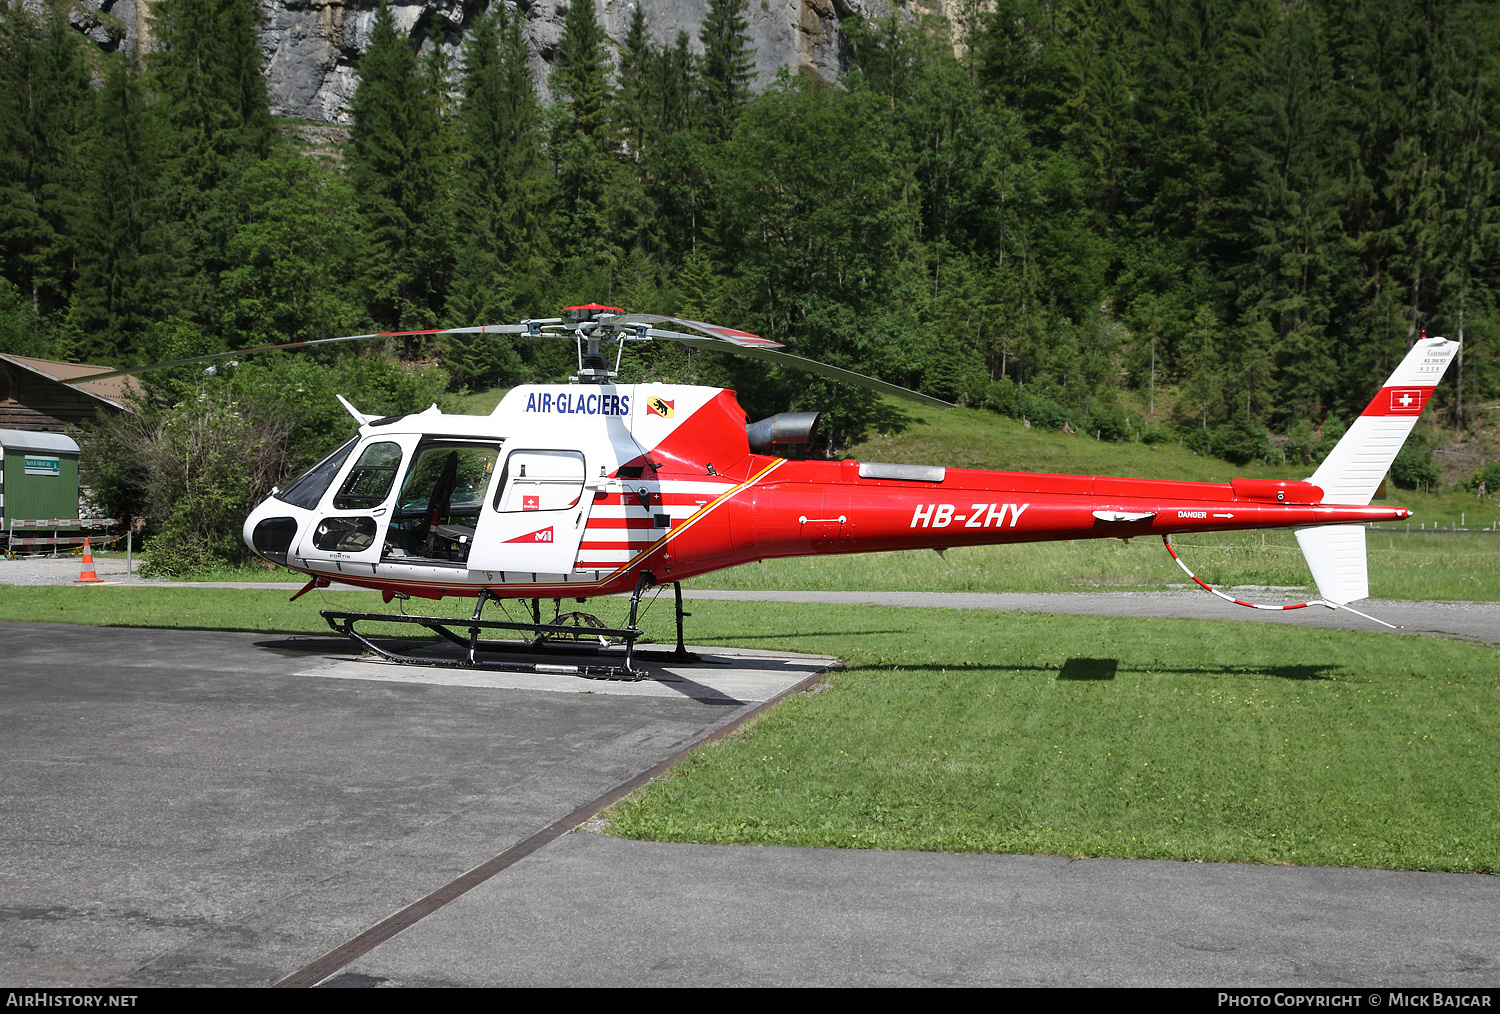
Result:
x=88 y=576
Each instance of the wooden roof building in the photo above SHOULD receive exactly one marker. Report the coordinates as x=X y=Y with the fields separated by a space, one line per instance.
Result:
x=33 y=397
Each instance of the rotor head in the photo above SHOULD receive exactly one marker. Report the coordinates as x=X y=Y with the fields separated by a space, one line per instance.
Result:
x=591 y=311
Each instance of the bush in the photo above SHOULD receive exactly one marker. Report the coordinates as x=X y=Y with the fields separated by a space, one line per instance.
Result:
x=1242 y=440
x=1150 y=433
x=1199 y=441
x=194 y=462
x=1333 y=431
x=1415 y=467
x=1108 y=422
x=1486 y=478
x=1010 y=399
x=1302 y=444
x=193 y=472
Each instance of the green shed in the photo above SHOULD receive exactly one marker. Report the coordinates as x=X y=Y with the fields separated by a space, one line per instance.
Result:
x=38 y=477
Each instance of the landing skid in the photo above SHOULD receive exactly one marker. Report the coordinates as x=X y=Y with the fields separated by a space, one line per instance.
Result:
x=465 y=634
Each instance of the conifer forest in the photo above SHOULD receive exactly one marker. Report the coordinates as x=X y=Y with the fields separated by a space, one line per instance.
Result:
x=1215 y=221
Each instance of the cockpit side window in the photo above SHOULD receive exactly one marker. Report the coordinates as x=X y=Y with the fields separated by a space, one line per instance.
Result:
x=369 y=481
x=309 y=488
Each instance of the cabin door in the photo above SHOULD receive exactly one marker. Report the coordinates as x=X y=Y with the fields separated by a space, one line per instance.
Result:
x=535 y=518
x=351 y=528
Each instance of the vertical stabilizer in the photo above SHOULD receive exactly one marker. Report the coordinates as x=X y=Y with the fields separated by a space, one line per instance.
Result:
x=1353 y=471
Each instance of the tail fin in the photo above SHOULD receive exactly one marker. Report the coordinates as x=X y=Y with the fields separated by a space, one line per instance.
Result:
x=1353 y=470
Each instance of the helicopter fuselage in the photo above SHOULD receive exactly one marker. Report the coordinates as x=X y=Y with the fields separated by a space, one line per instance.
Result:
x=577 y=490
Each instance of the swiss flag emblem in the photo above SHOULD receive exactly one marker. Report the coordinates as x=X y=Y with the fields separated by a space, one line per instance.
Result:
x=1406 y=399
x=531 y=503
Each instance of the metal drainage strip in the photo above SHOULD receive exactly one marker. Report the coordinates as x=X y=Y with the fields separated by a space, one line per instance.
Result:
x=350 y=951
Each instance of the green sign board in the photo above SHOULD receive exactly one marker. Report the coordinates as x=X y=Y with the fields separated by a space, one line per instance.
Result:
x=43 y=465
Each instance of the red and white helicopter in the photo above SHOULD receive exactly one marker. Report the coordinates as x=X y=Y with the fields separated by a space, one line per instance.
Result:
x=571 y=491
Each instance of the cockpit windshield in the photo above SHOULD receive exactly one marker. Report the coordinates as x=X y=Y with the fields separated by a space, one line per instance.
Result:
x=309 y=488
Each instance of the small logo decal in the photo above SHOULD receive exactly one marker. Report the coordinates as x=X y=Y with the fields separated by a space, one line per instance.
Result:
x=659 y=406
x=531 y=503
x=1406 y=399
x=545 y=535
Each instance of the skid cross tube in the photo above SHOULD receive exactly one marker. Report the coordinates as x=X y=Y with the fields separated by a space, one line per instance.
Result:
x=643 y=581
x=681 y=654
x=344 y=623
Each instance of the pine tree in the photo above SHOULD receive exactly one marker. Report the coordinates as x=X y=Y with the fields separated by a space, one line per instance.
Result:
x=499 y=124
x=581 y=74
x=1293 y=222
x=396 y=166
x=728 y=65
x=1202 y=402
x=1471 y=212
x=208 y=71
x=632 y=89
x=130 y=263
x=675 y=88
x=584 y=145
x=207 y=77
x=46 y=103
x=678 y=167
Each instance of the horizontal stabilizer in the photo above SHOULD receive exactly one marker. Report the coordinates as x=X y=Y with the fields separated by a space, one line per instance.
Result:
x=1336 y=556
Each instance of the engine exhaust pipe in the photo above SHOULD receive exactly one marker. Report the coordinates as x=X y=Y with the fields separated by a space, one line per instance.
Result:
x=781 y=428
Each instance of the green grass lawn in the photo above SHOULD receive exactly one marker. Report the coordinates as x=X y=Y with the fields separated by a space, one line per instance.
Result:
x=983 y=732
x=1078 y=736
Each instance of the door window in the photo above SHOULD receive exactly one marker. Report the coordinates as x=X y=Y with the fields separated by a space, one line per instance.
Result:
x=540 y=481
x=370 y=480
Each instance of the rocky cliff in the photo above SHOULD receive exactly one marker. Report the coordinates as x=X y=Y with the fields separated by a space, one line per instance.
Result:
x=312 y=46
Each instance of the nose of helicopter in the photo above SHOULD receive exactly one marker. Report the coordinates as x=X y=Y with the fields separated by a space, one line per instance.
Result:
x=271 y=529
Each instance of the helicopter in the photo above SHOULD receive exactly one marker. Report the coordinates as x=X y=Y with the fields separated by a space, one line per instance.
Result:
x=596 y=488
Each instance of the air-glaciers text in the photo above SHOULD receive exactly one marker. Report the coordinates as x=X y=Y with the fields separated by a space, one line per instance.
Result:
x=578 y=403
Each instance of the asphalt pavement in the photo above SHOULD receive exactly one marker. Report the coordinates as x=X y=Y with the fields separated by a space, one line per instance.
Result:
x=600 y=911
x=191 y=808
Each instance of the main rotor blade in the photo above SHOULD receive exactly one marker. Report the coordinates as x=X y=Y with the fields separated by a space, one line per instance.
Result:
x=743 y=339
x=522 y=328
x=798 y=363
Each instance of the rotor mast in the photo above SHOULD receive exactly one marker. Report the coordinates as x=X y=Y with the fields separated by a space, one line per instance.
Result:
x=594 y=324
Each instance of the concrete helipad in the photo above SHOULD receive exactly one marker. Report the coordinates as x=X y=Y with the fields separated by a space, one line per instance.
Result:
x=720 y=676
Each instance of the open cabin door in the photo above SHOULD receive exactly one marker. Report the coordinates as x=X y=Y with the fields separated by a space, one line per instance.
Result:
x=437 y=512
x=536 y=516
